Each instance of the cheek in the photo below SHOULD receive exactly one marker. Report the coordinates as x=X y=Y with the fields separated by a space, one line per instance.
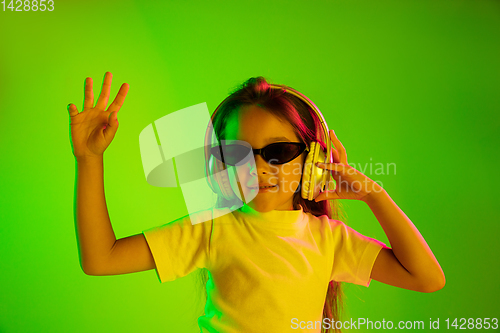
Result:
x=246 y=174
x=292 y=170
x=290 y=177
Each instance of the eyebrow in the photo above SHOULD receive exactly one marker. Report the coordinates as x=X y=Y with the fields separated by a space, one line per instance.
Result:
x=279 y=138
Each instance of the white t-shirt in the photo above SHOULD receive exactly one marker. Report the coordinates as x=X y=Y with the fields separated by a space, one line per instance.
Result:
x=265 y=269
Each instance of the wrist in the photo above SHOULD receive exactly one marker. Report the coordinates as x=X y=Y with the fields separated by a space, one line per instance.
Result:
x=89 y=159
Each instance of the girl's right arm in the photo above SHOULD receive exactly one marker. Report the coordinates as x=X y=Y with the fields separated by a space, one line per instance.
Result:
x=92 y=130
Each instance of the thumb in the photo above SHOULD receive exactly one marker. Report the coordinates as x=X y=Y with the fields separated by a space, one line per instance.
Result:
x=113 y=119
x=73 y=111
x=111 y=126
x=327 y=195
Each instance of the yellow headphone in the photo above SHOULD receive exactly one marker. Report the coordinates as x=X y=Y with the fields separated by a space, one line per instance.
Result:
x=314 y=179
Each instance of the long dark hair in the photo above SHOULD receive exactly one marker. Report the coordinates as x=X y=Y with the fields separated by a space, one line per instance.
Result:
x=256 y=91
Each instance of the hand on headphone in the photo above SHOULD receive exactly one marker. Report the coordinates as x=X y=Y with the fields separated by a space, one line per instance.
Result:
x=351 y=184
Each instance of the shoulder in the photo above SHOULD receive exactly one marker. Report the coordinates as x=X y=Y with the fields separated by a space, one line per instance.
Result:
x=324 y=222
x=212 y=216
x=198 y=219
x=335 y=230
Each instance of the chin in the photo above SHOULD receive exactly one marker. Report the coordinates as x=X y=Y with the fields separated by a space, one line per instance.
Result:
x=260 y=207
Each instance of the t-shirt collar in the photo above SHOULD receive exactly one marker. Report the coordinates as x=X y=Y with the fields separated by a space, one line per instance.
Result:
x=276 y=218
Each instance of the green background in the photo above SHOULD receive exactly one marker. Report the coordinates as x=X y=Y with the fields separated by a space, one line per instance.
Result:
x=415 y=83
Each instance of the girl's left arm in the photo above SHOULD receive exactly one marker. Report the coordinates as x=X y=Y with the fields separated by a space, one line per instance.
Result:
x=410 y=264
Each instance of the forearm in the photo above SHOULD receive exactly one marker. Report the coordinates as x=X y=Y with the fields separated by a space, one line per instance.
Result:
x=93 y=227
x=408 y=245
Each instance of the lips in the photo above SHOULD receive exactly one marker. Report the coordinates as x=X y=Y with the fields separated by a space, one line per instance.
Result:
x=263 y=185
x=266 y=186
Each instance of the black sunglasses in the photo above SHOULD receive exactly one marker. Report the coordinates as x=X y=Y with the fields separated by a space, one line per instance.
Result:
x=276 y=153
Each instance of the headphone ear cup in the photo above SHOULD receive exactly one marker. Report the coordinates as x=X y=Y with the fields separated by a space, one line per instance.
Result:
x=221 y=181
x=313 y=176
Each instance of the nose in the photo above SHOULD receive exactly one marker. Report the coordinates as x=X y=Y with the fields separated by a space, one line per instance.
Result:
x=261 y=164
x=254 y=169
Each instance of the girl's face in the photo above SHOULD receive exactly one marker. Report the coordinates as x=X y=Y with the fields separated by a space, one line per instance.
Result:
x=260 y=128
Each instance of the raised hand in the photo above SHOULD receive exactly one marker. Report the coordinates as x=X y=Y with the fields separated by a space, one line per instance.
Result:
x=351 y=184
x=93 y=129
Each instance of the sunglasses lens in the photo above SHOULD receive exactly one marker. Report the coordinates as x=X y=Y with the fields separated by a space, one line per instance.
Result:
x=235 y=153
x=275 y=153
x=232 y=154
x=280 y=153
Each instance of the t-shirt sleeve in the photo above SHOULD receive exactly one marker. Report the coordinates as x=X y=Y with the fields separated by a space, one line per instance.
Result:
x=181 y=246
x=354 y=254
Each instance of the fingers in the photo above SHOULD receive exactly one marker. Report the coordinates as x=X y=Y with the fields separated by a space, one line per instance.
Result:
x=336 y=157
x=88 y=101
x=104 y=96
x=335 y=152
x=339 y=168
x=119 y=99
x=339 y=148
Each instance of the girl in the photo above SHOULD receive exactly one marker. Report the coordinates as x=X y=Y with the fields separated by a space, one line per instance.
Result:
x=275 y=264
